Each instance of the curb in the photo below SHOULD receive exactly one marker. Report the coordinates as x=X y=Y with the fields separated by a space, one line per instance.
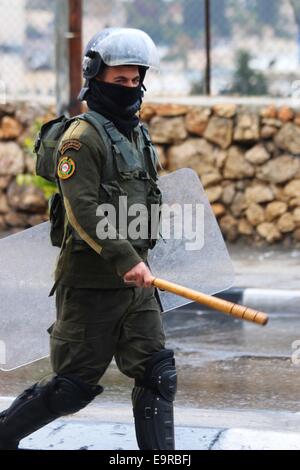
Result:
x=110 y=427
x=269 y=300
x=71 y=434
x=273 y=301
x=76 y=435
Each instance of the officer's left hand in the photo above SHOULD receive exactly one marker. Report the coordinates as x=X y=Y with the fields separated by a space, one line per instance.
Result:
x=140 y=275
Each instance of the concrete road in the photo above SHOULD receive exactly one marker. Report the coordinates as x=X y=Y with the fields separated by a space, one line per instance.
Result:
x=238 y=383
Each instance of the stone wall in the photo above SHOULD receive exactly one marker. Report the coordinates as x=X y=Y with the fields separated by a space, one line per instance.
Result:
x=21 y=206
x=247 y=159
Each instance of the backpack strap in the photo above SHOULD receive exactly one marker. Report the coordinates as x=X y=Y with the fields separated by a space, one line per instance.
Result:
x=146 y=135
x=121 y=145
x=98 y=122
x=95 y=119
x=150 y=146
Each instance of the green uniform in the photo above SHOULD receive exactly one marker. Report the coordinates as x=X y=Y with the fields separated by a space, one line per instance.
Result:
x=98 y=316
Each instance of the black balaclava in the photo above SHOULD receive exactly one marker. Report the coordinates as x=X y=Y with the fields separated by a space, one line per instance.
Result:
x=117 y=103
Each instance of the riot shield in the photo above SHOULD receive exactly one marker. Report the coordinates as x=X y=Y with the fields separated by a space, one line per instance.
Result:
x=192 y=253
x=27 y=261
x=191 y=250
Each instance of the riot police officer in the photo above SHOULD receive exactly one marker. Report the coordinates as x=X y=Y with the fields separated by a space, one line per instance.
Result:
x=106 y=305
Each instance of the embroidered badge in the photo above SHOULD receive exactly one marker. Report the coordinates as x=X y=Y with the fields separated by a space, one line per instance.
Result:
x=70 y=144
x=66 y=168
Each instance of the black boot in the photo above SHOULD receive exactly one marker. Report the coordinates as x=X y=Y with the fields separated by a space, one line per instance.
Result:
x=152 y=399
x=39 y=405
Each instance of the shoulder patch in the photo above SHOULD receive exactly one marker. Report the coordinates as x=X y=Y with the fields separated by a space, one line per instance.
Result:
x=66 y=168
x=70 y=144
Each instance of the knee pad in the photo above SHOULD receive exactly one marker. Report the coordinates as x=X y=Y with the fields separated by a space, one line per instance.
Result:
x=67 y=394
x=160 y=374
x=41 y=404
x=152 y=399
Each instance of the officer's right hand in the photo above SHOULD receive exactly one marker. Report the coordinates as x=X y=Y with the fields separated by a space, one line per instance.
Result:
x=140 y=275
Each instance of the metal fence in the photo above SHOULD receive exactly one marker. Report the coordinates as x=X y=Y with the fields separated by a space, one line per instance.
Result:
x=255 y=44
x=27 y=66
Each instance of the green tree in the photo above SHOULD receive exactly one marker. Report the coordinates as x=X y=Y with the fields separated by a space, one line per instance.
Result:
x=197 y=87
x=28 y=179
x=246 y=80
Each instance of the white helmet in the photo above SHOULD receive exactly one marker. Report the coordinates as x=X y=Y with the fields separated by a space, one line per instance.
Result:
x=118 y=46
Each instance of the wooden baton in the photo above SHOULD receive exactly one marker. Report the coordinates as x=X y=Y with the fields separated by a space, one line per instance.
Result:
x=238 y=311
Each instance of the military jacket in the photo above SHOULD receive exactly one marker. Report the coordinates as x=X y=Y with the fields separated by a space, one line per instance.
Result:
x=97 y=166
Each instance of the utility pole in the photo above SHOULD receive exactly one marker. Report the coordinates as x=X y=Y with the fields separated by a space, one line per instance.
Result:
x=75 y=54
x=68 y=24
x=207 y=47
